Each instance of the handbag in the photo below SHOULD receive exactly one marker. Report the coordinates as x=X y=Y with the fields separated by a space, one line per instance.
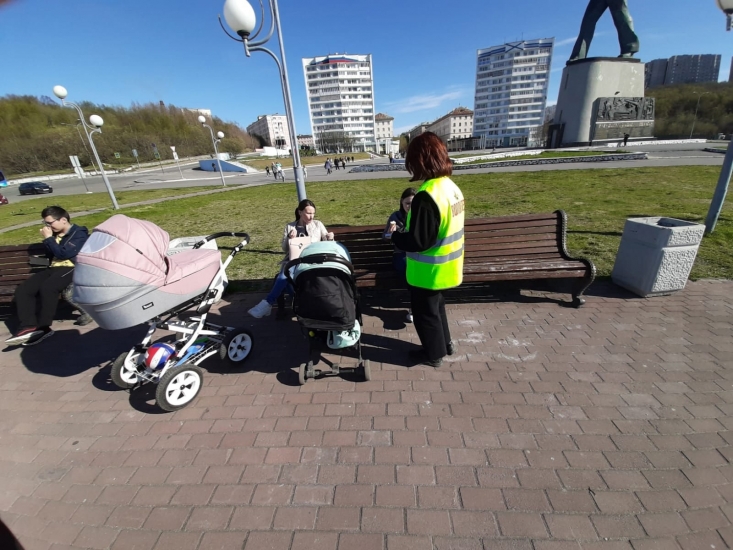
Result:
x=296 y=246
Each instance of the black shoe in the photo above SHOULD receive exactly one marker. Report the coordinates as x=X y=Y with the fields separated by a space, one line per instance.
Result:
x=39 y=337
x=418 y=357
x=22 y=335
x=451 y=348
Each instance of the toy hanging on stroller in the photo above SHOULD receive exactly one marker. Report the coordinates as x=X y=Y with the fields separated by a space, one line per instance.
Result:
x=326 y=305
x=126 y=275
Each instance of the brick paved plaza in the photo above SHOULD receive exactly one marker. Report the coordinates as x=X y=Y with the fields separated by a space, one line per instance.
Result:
x=604 y=428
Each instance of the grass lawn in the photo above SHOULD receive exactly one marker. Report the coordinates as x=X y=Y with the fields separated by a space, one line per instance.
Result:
x=545 y=155
x=597 y=203
x=287 y=162
x=16 y=213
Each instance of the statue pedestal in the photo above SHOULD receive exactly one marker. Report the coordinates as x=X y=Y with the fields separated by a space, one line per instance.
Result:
x=585 y=81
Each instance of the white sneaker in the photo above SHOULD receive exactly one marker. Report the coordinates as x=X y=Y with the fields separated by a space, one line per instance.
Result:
x=408 y=319
x=263 y=309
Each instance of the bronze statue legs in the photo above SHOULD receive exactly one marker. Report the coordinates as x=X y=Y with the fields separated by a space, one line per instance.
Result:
x=628 y=40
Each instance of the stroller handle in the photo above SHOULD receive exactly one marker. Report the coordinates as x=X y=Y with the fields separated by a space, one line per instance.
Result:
x=316 y=259
x=203 y=241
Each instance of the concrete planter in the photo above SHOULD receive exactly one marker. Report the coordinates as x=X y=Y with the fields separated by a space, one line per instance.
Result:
x=656 y=255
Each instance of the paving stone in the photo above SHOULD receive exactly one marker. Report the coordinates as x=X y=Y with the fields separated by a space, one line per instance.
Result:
x=615 y=432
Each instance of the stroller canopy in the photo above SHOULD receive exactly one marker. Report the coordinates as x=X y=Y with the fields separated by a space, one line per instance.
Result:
x=123 y=276
x=323 y=247
x=135 y=248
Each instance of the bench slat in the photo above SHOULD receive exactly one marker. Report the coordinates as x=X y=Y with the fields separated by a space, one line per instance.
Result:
x=528 y=248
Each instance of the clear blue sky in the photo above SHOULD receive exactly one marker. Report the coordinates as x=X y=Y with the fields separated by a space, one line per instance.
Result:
x=117 y=52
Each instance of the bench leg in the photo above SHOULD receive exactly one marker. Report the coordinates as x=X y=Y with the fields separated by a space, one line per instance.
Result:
x=581 y=287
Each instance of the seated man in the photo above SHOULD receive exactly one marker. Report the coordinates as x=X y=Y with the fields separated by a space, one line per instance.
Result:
x=63 y=241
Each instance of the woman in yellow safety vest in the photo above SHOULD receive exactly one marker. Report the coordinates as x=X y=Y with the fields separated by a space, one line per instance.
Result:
x=433 y=241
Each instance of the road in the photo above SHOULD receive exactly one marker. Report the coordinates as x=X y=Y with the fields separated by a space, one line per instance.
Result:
x=685 y=154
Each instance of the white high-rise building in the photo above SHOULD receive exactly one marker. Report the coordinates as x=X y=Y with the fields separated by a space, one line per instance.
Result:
x=511 y=91
x=340 y=92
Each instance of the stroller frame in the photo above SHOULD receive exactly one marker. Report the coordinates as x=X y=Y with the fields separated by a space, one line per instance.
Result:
x=317 y=338
x=180 y=379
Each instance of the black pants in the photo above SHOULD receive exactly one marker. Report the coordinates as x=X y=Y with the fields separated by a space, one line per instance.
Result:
x=45 y=286
x=431 y=321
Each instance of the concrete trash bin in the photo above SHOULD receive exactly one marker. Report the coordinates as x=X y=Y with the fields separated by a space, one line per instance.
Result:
x=656 y=255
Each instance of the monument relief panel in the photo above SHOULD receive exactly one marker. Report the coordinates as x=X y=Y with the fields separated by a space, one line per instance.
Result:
x=616 y=116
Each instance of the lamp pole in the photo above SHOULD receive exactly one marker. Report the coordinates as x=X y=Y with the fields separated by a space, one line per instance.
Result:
x=721 y=190
x=241 y=18
x=93 y=126
x=220 y=135
x=727 y=7
x=81 y=170
x=694 y=120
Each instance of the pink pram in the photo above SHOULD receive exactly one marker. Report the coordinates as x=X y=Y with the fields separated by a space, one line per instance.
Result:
x=125 y=276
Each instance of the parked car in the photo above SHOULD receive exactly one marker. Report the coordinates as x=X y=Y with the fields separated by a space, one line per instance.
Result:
x=34 y=188
x=3 y=200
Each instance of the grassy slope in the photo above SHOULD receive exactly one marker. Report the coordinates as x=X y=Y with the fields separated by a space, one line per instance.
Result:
x=597 y=203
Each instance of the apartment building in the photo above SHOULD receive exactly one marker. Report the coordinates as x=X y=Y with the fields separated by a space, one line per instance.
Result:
x=384 y=125
x=340 y=90
x=512 y=80
x=458 y=124
x=273 y=129
x=306 y=141
x=682 y=69
x=417 y=130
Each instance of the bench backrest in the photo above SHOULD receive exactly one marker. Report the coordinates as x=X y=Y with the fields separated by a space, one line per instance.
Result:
x=14 y=266
x=500 y=239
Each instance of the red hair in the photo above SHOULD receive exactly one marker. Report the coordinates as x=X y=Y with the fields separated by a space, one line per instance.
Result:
x=427 y=158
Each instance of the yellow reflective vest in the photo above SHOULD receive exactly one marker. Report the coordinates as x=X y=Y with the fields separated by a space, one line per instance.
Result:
x=440 y=266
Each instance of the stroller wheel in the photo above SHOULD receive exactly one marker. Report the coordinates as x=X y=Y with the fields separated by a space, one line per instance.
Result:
x=367 y=371
x=179 y=386
x=302 y=376
x=237 y=346
x=124 y=371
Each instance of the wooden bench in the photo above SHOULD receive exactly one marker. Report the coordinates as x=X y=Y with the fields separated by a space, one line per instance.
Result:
x=15 y=267
x=527 y=252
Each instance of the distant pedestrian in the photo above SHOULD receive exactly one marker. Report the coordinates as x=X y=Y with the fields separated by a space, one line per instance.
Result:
x=327 y=166
x=343 y=164
x=267 y=169
x=279 y=171
x=626 y=139
x=213 y=166
x=336 y=163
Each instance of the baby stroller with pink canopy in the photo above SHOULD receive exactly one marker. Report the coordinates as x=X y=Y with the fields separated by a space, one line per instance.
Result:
x=126 y=275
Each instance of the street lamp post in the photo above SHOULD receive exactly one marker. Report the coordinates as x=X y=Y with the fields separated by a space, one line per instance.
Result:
x=721 y=190
x=727 y=7
x=220 y=135
x=694 y=120
x=241 y=18
x=81 y=170
x=93 y=126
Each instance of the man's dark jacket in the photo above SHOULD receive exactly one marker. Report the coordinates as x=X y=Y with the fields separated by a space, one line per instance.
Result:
x=69 y=246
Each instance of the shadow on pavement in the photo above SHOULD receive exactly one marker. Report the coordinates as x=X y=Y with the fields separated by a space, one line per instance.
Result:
x=69 y=352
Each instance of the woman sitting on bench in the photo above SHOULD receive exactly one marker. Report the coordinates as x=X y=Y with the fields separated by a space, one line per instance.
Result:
x=63 y=241
x=305 y=225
